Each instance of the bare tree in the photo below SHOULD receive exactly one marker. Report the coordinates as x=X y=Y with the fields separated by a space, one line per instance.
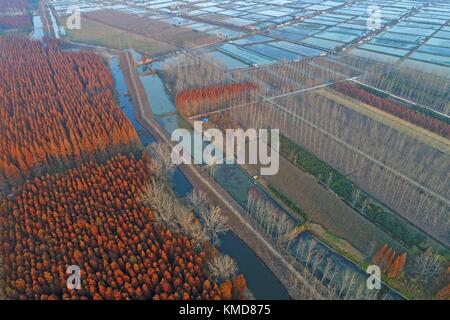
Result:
x=160 y=198
x=356 y=194
x=161 y=154
x=215 y=224
x=222 y=267
x=197 y=200
x=190 y=226
x=155 y=167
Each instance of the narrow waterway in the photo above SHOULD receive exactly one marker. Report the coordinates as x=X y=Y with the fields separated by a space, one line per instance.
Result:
x=260 y=280
x=237 y=183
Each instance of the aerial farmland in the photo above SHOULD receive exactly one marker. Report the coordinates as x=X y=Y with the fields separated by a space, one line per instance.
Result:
x=358 y=92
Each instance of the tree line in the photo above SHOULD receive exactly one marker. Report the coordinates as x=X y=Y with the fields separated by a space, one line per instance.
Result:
x=194 y=101
x=402 y=112
x=57 y=109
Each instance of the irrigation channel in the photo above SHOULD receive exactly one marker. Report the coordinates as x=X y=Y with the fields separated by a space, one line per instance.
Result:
x=260 y=280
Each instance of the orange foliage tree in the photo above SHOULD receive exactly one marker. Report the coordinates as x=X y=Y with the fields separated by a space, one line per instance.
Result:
x=190 y=102
x=387 y=260
x=57 y=109
x=444 y=293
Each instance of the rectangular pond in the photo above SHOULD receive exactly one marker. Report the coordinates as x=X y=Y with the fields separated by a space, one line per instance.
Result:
x=428 y=57
x=158 y=98
x=427 y=67
x=253 y=39
x=245 y=55
x=385 y=50
x=297 y=48
x=322 y=43
x=341 y=37
x=226 y=61
x=273 y=52
x=374 y=55
x=439 y=42
x=435 y=50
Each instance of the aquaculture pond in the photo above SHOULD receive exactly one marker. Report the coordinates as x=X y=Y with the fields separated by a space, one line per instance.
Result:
x=273 y=52
x=303 y=50
x=156 y=94
x=322 y=43
x=226 y=61
x=260 y=280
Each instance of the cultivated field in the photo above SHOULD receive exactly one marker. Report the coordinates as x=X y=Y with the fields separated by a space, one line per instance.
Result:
x=100 y=34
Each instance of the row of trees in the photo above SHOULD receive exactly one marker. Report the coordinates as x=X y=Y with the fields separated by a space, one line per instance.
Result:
x=405 y=113
x=408 y=176
x=57 y=109
x=342 y=280
x=429 y=90
x=93 y=217
x=187 y=72
x=289 y=76
x=191 y=102
x=323 y=271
